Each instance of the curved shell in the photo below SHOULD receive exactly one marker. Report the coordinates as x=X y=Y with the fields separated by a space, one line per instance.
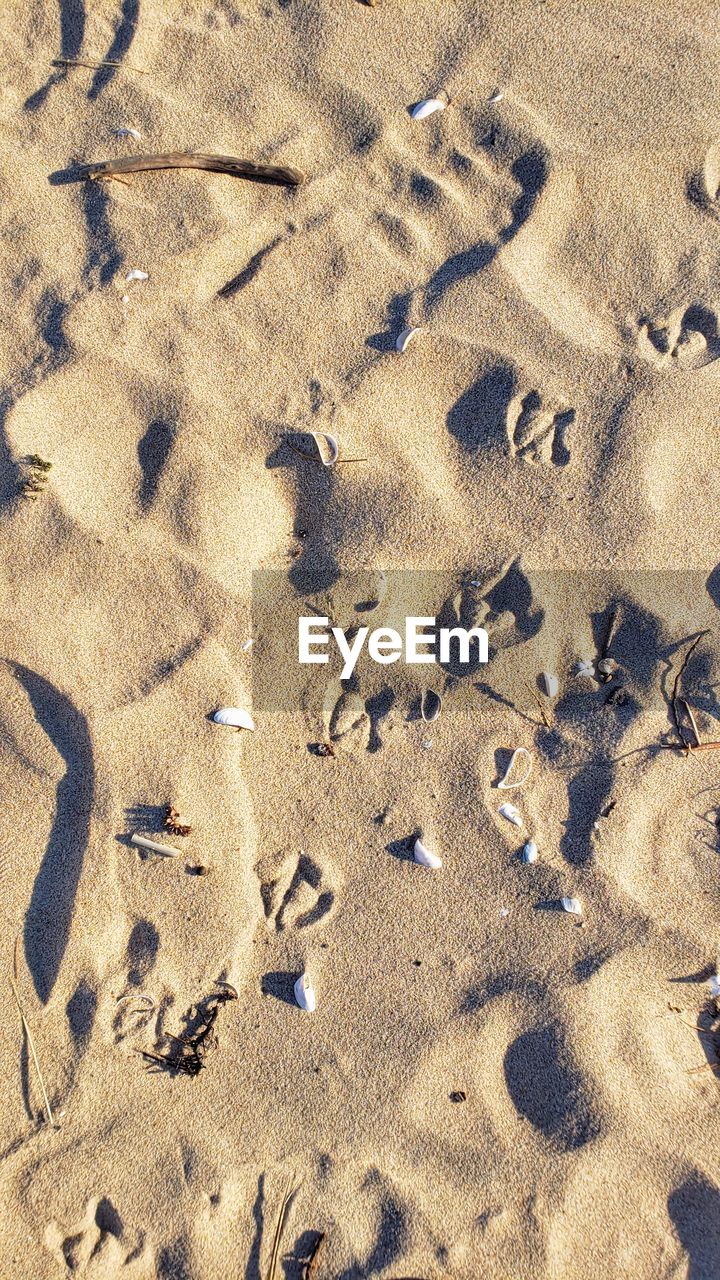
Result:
x=425 y=857
x=126 y=132
x=530 y=852
x=327 y=447
x=423 y=109
x=404 y=338
x=305 y=993
x=431 y=706
x=518 y=754
x=511 y=813
x=572 y=905
x=136 y=274
x=551 y=684
x=234 y=716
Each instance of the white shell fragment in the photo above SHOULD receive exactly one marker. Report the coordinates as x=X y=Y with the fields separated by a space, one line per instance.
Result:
x=234 y=716
x=714 y=985
x=136 y=274
x=431 y=706
x=572 y=905
x=518 y=754
x=404 y=338
x=511 y=813
x=427 y=107
x=551 y=684
x=607 y=666
x=327 y=447
x=305 y=993
x=247 y=646
x=504 y=912
x=530 y=852
x=165 y=850
x=126 y=132
x=586 y=667
x=496 y=96
x=425 y=857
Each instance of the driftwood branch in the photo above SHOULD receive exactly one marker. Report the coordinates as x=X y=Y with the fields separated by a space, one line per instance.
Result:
x=276 y=174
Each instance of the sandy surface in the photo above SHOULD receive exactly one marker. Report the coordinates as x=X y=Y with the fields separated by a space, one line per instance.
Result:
x=559 y=411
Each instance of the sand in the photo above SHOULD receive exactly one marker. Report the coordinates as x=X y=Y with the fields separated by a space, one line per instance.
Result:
x=489 y=1086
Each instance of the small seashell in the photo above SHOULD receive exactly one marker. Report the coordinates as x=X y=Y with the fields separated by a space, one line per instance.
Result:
x=511 y=813
x=572 y=905
x=136 y=274
x=305 y=993
x=247 y=646
x=431 y=706
x=551 y=683
x=125 y=298
x=235 y=716
x=607 y=666
x=126 y=132
x=327 y=447
x=425 y=857
x=496 y=96
x=530 y=852
x=585 y=667
x=427 y=744
x=423 y=109
x=714 y=985
x=504 y=912
x=503 y=784
x=403 y=338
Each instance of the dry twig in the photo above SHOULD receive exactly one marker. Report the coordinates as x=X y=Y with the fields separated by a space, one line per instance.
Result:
x=28 y=1034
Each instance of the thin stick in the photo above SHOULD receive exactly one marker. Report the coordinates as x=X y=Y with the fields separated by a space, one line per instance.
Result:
x=676 y=688
x=548 y=723
x=279 y=1228
x=277 y=174
x=28 y=1033
x=688 y=708
x=165 y=850
x=78 y=62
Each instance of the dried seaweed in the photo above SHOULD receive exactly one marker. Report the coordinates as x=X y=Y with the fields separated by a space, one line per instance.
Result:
x=186 y=1056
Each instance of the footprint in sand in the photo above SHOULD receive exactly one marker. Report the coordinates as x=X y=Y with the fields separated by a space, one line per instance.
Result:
x=537 y=431
x=296 y=894
x=97 y=1246
x=689 y=338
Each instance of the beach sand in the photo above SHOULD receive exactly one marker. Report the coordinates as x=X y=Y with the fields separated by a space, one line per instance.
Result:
x=489 y=1086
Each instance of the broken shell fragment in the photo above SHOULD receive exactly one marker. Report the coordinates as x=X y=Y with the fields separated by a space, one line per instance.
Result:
x=404 y=338
x=136 y=274
x=425 y=857
x=234 y=716
x=126 y=132
x=572 y=905
x=511 y=813
x=327 y=447
x=714 y=985
x=496 y=96
x=431 y=706
x=505 y=784
x=586 y=667
x=530 y=852
x=423 y=109
x=305 y=993
x=551 y=684
x=607 y=666
x=165 y=850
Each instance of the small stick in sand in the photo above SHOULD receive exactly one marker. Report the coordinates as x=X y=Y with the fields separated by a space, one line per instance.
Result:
x=278 y=174
x=309 y=1263
x=547 y=722
x=28 y=1034
x=165 y=850
x=688 y=708
x=279 y=1228
x=79 y=62
x=676 y=690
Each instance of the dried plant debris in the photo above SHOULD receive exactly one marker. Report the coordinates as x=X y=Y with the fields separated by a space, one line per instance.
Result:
x=278 y=175
x=309 y=1262
x=186 y=1055
x=36 y=475
x=28 y=1034
x=173 y=824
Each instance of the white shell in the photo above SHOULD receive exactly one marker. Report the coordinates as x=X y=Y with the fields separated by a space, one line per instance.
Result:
x=305 y=993
x=164 y=850
x=503 y=784
x=136 y=274
x=234 y=716
x=425 y=857
x=403 y=338
x=572 y=905
x=552 y=684
x=496 y=96
x=430 y=706
x=586 y=667
x=511 y=813
x=247 y=646
x=128 y=133
x=530 y=852
x=423 y=109
x=327 y=447
x=504 y=912
x=714 y=985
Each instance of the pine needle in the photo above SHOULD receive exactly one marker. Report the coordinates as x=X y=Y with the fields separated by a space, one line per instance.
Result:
x=28 y=1033
x=279 y=1228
